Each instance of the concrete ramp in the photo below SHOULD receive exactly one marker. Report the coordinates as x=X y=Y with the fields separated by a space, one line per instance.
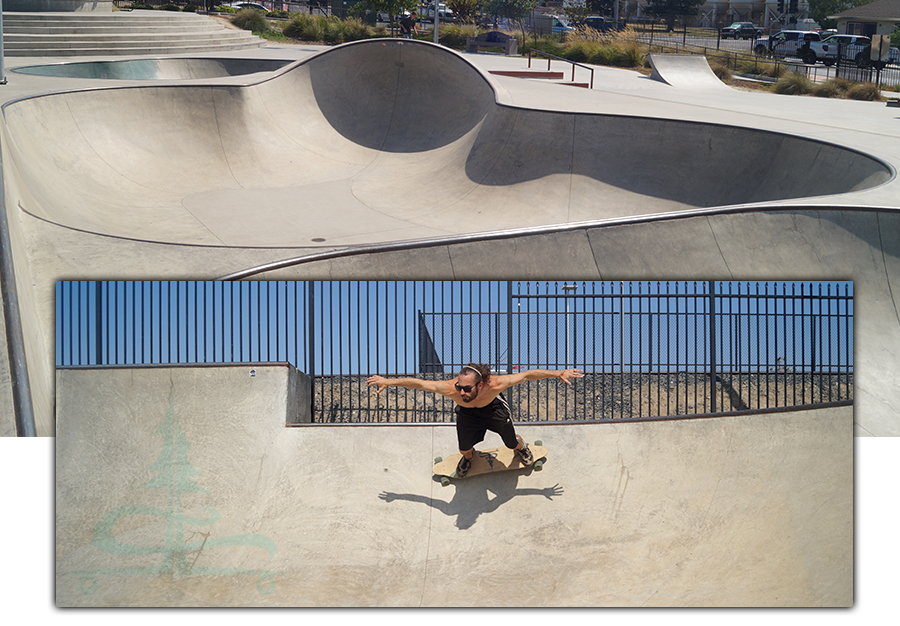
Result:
x=684 y=71
x=402 y=140
x=183 y=486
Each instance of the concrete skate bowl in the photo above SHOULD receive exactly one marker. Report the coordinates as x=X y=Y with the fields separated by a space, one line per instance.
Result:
x=402 y=140
x=729 y=511
x=155 y=69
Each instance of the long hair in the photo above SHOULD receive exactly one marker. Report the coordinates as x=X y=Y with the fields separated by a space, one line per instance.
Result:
x=481 y=371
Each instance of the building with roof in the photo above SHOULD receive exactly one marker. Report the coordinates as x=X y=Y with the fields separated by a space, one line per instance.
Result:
x=876 y=18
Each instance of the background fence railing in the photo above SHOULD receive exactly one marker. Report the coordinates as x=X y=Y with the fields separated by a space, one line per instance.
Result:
x=647 y=348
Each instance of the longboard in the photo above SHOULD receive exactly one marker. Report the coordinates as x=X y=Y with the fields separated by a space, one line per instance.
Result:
x=487 y=461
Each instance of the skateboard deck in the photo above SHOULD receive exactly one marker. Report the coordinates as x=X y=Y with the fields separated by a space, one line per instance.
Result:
x=487 y=461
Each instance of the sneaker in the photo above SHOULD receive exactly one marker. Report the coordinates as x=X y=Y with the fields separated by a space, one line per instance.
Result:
x=462 y=468
x=525 y=455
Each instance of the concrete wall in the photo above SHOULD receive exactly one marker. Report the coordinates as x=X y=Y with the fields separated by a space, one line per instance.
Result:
x=58 y=6
x=184 y=486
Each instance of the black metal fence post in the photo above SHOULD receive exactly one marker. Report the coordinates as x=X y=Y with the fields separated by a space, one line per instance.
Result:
x=712 y=345
x=678 y=347
x=311 y=345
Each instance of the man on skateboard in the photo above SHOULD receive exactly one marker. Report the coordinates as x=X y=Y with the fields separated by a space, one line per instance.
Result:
x=408 y=26
x=480 y=405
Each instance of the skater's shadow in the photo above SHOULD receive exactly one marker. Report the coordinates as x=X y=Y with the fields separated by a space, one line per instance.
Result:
x=476 y=495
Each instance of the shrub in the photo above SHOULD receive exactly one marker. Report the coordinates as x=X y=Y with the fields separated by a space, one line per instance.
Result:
x=170 y=7
x=633 y=54
x=721 y=72
x=454 y=35
x=841 y=84
x=580 y=50
x=252 y=20
x=328 y=29
x=825 y=90
x=618 y=49
x=305 y=27
x=760 y=67
x=550 y=45
x=793 y=84
x=865 y=91
x=833 y=88
x=355 y=29
x=191 y=8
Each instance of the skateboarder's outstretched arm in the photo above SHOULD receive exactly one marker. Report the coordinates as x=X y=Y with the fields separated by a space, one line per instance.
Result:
x=538 y=374
x=443 y=387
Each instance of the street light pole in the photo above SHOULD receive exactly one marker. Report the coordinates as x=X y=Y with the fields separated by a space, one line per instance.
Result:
x=2 y=53
x=436 y=21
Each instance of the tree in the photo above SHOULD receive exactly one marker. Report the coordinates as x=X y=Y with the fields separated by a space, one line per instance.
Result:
x=670 y=9
x=392 y=7
x=463 y=10
x=513 y=10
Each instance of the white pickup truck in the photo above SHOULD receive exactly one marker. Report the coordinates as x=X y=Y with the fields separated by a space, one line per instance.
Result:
x=785 y=43
x=853 y=48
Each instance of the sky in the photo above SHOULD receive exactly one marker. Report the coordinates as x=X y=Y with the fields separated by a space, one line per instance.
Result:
x=396 y=327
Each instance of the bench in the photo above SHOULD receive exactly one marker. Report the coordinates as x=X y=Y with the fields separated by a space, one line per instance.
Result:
x=493 y=39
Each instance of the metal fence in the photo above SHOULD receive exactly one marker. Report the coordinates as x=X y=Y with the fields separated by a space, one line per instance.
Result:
x=648 y=349
x=739 y=55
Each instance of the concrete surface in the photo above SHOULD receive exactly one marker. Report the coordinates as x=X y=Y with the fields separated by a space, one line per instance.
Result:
x=162 y=68
x=183 y=486
x=207 y=178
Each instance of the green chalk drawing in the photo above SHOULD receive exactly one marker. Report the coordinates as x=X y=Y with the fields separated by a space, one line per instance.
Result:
x=174 y=474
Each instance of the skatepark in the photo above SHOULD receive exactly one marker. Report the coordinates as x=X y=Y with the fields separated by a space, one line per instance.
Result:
x=444 y=171
x=432 y=167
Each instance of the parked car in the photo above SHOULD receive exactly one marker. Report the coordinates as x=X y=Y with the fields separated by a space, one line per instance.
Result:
x=853 y=48
x=249 y=5
x=444 y=12
x=786 y=43
x=826 y=50
x=742 y=30
x=561 y=25
x=386 y=17
x=545 y=24
x=599 y=24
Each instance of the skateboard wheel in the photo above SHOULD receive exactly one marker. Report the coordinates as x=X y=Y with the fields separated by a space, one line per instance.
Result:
x=438 y=459
x=444 y=481
x=538 y=466
x=538 y=442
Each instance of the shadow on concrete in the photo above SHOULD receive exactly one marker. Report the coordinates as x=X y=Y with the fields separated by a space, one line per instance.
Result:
x=476 y=496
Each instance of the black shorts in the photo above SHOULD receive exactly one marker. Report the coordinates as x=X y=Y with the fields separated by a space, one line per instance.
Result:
x=473 y=423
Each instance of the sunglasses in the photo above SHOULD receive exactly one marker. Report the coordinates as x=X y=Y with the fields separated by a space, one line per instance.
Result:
x=466 y=388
